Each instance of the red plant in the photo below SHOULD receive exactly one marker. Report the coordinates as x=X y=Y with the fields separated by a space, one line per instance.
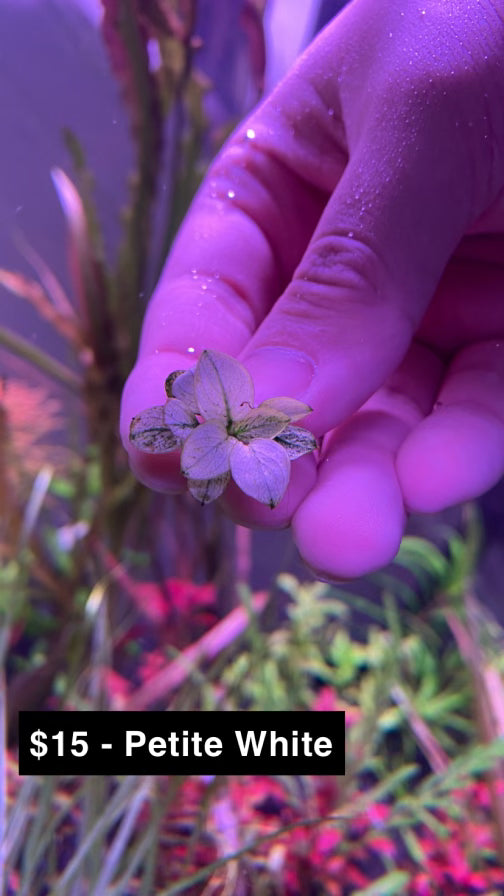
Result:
x=32 y=420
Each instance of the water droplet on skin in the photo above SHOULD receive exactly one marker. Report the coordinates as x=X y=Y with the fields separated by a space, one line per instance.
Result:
x=250 y=134
x=231 y=194
x=350 y=234
x=191 y=349
x=330 y=112
x=204 y=286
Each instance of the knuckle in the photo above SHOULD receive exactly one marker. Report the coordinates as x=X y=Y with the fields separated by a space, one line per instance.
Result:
x=344 y=279
x=343 y=266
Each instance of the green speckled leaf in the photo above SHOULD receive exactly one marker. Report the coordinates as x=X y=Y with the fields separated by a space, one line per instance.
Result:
x=260 y=423
x=296 y=441
x=149 y=431
x=206 y=490
x=293 y=408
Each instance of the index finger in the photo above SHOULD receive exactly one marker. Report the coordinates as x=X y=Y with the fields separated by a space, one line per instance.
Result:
x=245 y=232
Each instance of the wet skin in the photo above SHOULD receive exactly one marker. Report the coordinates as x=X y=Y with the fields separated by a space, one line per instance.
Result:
x=348 y=246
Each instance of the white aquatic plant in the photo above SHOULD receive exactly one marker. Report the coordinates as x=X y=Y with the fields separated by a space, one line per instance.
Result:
x=210 y=417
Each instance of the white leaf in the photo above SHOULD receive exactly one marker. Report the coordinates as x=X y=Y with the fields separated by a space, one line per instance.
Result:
x=180 y=420
x=296 y=441
x=223 y=387
x=261 y=470
x=149 y=432
x=205 y=454
x=293 y=408
x=206 y=490
x=182 y=387
x=260 y=423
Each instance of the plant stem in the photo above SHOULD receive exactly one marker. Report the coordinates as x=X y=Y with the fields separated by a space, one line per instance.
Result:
x=24 y=349
x=207 y=647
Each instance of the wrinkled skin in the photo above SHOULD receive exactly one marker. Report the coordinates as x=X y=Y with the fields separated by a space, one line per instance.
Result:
x=348 y=246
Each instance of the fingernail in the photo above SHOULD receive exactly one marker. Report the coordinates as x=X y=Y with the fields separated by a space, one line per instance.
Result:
x=279 y=371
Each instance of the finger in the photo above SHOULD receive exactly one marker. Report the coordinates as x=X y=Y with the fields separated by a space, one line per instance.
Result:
x=377 y=252
x=457 y=452
x=359 y=293
x=353 y=520
x=144 y=388
x=246 y=231
x=468 y=307
x=247 y=227
x=412 y=187
x=247 y=512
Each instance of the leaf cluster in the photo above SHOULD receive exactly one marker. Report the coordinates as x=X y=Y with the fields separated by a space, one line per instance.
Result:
x=210 y=416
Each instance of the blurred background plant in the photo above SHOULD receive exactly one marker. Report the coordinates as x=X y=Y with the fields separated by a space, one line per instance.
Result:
x=112 y=597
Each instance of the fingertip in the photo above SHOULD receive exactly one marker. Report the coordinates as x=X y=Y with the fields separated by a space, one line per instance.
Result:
x=159 y=472
x=145 y=386
x=352 y=523
x=454 y=455
x=143 y=389
x=245 y=511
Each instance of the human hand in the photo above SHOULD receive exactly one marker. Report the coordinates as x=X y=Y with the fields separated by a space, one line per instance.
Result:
x=347 y=245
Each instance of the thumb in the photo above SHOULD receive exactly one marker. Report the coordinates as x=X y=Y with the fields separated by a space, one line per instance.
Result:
x=348 y=316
